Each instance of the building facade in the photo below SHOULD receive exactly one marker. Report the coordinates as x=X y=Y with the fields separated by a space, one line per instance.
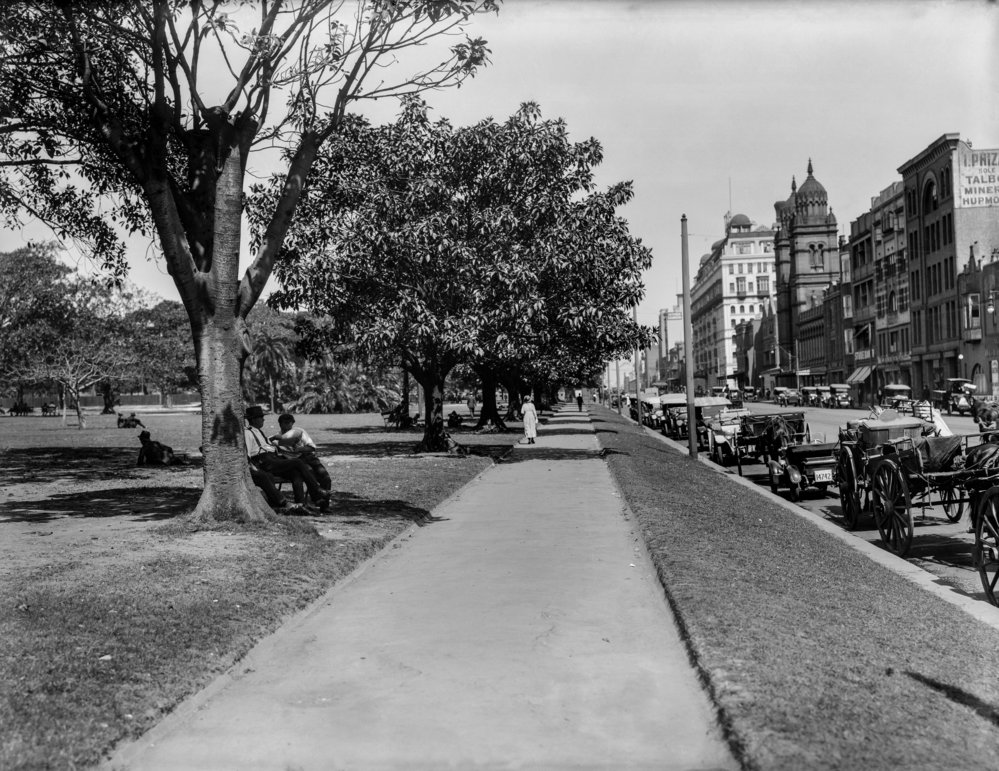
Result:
x=806 y=251
x=733 y=283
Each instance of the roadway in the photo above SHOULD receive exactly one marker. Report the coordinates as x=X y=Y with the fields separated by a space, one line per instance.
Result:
x=939 y=547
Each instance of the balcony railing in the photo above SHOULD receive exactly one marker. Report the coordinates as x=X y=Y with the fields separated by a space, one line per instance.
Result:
x=973 y=335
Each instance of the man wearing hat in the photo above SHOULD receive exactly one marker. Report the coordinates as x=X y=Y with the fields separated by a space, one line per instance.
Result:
x=264 y=457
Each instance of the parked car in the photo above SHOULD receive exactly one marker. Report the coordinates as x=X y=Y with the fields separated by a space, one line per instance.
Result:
x=749 y=394
x=960 y=395
x=785 y=396
x=840 y=397
x=898 y=397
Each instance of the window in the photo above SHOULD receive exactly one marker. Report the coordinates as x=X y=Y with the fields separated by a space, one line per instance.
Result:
x=743 y=248
x=749 y=267
x=740 y=285
x=892 y=303
x=816 y=257
x=763 y=284
x=930 y=200
x=731 y=269
x=847 y=307
x=742 y=309
x=751 y=309
x=973 y=311
x=731 y=288
x=740 y=268
x=767 y=247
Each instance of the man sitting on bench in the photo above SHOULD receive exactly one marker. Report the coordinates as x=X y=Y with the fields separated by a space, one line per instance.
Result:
x=264 y=457
x=296 y=443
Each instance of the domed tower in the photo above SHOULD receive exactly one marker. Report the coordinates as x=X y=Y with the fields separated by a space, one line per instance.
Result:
x=807 y=249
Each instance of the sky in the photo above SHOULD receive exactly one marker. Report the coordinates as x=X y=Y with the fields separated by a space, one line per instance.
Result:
x=713 y=106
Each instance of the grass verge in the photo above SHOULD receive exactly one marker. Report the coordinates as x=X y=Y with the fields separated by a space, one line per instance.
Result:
x=112 y=613
x=815 y=656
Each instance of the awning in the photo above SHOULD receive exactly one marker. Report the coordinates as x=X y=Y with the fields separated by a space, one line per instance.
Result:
x=860 y=374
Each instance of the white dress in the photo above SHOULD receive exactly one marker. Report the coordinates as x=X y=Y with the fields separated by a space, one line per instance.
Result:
x=530 y=420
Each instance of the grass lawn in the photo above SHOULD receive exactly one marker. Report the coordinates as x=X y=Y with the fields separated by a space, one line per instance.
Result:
x=816 y=657
x=112 y=610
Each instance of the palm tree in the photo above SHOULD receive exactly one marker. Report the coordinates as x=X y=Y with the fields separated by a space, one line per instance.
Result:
x=332 y=386
x=271 y=359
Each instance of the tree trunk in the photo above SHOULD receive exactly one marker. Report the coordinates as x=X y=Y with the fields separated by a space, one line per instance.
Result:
x=220 y=335
x=488 y=411
x=108 y=395
x=81 y=421
x=270 y=380
x=434 y=438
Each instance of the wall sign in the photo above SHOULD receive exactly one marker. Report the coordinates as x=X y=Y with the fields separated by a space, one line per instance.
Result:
x=977 y=179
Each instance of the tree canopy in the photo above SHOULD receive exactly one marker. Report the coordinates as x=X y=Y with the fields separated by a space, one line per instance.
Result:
x=487 y=244
x=141 y=116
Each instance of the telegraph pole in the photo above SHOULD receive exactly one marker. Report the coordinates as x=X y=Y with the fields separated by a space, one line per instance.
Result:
x=617 y=367
x=688 y=336
x=638 y=386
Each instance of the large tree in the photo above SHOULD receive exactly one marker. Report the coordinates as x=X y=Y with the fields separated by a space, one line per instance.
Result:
x=482 y=244
x=91 y=342
x=156 y=107
x=33 y=293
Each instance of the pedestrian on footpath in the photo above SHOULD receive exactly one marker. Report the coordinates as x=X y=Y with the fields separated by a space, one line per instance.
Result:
x=471 y=403
x=530 y=420
x=579 y=400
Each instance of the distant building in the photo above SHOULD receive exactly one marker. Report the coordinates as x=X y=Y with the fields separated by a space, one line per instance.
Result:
x=951 y=204
x=733 y=283
x=806 y=252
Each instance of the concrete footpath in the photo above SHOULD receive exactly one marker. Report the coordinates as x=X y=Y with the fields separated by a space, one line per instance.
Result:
x=525 y=629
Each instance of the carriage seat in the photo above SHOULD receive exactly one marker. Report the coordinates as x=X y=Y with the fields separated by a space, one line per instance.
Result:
x=937 y=453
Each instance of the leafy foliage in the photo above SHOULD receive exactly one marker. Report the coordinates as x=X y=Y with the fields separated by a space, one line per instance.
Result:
x=141 y=117
x=486 y=244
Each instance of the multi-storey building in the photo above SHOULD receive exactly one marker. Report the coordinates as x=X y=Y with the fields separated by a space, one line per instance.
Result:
x=951 y=202
x=806 y=253
x=733 y=282
x=891 y=288
x=863 y=288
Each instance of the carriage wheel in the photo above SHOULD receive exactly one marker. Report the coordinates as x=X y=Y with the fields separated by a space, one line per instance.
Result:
x=849 y=498
x=796 y=492
x=774 y=487
x=953 y=503
x=986 y=554
x=891 y=508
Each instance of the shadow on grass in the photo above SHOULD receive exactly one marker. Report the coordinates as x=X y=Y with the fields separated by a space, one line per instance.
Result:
x=981 y=708
x=386 y=449
x=540 y=452
x=141 y=504
x=42 y=465
x=563 y=430
x=350 y=505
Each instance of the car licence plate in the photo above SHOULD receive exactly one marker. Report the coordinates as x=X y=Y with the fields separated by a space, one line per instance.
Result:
x=823 y=475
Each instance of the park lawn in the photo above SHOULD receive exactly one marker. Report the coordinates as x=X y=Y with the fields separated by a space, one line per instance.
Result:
x=113 y=610
x=815 y=656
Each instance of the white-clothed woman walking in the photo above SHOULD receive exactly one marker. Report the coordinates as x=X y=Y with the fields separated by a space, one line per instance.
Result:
x=530 y=420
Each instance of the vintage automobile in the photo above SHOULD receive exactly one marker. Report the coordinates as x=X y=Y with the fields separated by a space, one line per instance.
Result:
x=810 y=396
x=960 y=395
x=898 y=397
x=674 y=407
x=749 y=394
x=785 y=396
x=840 y=395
